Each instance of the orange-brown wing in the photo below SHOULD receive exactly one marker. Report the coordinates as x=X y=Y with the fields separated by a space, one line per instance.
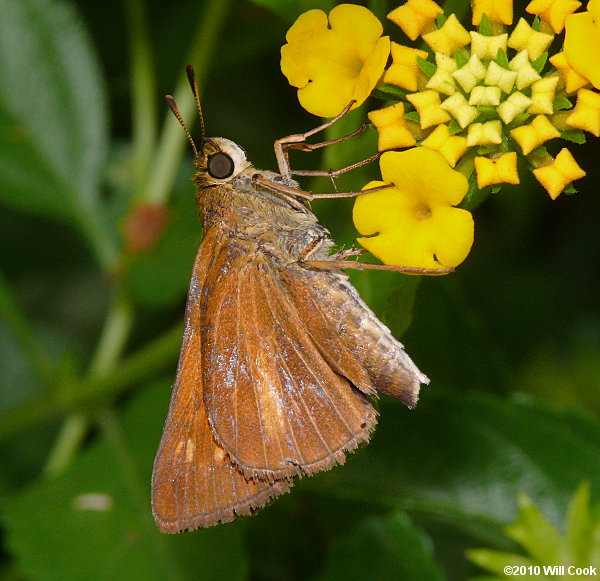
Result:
x=274 y=403
x=336 y=309
x=194 y=483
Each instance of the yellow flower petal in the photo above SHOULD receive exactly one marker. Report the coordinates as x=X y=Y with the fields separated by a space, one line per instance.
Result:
x=553 y=12
x=485 y=96
x=460 y=109
x=442 y=80
x=404 y=70
x=496 y=11
x=526 y=74
x=559 y=174
x=516 y=104
x=452 y=147
x=470 y=73
x=415 y=221
x=573 y=81
x=542 y=96
x=586 y=114
x=336 y=60
x=487 y=47
x=531 y=136
x=448 y=39
x=582 y=43
x=489 y=133
x=427 y=104
x=501 y=170
x=524 y=37
x=500 y=77
x=391 y=125
x=415 y=17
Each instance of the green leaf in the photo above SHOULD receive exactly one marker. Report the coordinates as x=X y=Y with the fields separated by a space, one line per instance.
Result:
x=574 y=136
x=460 y=58
x=53 y=122
x=485 y=27
x=539 y=63
x=561 y=102
x=412 y=116
x=537 y=24
x=383 y=548
x=440 y=20
x=454 y=127
x=502 y=58
x=386 y=91
x=541 y=151
x=94 y=522
x=579 y=526
x=427 y=67
x=458 y=478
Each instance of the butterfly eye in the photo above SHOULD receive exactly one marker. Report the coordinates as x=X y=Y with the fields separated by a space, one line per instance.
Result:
x=220 y=166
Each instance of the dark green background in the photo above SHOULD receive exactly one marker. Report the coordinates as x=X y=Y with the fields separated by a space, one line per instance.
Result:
x=510 y=341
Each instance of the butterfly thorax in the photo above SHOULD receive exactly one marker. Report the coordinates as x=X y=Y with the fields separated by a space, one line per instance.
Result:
x=229 y=199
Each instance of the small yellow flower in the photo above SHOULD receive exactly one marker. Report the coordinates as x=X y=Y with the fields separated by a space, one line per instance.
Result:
x=427 y=104
x=531 y=136
x=485 y=96
x=496 y=11
x=526 y=74
x=460 y=109
x=487 y=47
x=470 y=73
x=556 y=176
x=391 y=125
x=573 y=81
x=404 y=71
x=501 y=170
x=582 y=42
x=489 y=133
x=442 y=80
x=500 y=77
x=415 y=17
x=516 y=104
x=586 y=114
x=542 y=96
x=336 y=60
x=452 y=147
x=448 y=39
x=524 y=37
x=414 y=219
x=553 y=12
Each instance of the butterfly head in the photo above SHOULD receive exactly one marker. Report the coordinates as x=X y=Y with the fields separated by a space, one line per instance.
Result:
x=219 y=161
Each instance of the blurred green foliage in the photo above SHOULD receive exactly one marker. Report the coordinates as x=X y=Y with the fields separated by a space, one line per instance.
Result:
x=90 y=330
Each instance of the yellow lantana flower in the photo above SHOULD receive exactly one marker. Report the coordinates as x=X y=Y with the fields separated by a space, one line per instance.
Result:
x=334 y=60
x=501 y=170
x=415 y=17
x=495 y=10
x=556 y=176
x=404 y=71
x=582 y=42
x=553 y=12
x=415 y=221
x=392 y=127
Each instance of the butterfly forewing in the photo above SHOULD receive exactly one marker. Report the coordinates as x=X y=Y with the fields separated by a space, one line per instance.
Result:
x=274 y=403
x=194 y=482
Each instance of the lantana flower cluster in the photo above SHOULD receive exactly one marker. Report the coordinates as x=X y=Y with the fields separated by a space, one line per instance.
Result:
x=470 y=107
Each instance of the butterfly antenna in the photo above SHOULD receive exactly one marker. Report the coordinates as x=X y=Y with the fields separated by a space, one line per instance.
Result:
x=175 y=109
x=194 y=85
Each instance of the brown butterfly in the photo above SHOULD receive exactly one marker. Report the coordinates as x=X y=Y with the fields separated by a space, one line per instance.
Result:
x=280 y=354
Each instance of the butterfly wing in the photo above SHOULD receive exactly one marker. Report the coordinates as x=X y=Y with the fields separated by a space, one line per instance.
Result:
x=274 y=403
x=194 y=482
x=338 y=310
